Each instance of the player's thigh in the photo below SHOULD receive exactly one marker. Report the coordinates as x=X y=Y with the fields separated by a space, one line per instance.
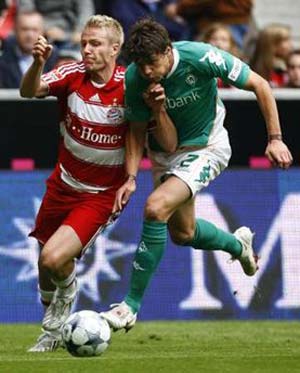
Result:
x=80 y=228
x=199 y=168
x=196 y=167
x=166 y=198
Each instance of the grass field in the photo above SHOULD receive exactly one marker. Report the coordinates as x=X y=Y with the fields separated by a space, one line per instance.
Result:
x=169 y=347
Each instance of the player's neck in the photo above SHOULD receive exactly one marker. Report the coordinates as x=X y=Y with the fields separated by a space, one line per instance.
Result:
x=103 y=76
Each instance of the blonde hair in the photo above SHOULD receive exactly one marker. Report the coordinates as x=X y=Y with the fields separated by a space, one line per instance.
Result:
x=102 y=21
x=265 y=52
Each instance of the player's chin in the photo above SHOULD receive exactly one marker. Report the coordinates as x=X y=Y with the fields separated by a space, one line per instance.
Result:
x=88 y=66
x=152 y=79
x=155 y=79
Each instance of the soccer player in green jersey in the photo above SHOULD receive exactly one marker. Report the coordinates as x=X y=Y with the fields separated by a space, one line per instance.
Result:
x=178 y=82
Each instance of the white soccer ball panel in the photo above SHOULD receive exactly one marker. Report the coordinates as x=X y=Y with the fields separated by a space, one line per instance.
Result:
x=91 y=325
x=101 y=348
x=79 y=336
x=86 y=314
x=105 y=332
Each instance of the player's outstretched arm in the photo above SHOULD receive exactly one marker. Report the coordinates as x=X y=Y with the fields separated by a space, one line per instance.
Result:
x=276 y=150
x=31 y=84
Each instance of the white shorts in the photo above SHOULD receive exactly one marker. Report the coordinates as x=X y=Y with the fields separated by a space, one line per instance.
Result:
x=196 y=167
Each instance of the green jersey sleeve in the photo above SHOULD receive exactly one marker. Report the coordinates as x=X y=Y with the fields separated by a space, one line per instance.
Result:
x=136 y=109
x=217 y=63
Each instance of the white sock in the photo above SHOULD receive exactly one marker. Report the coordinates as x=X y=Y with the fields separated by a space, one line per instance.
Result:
x=46 y=296
x=66 y=286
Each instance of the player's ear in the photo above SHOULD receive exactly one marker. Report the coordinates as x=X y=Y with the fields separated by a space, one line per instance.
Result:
x=168 y=49
x=115 y=49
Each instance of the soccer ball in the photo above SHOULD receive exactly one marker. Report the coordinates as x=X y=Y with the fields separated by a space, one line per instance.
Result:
x=86 y=333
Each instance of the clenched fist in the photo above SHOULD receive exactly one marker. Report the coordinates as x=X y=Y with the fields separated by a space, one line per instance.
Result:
x=155 y=97
x=41 y=50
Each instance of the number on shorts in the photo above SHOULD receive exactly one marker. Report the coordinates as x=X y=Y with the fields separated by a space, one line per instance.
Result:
x=188 y=160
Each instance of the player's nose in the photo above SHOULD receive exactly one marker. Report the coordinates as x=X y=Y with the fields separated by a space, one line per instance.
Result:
x=147 y=70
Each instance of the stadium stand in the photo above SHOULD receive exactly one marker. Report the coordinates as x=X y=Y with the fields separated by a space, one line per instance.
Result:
x=274 y=11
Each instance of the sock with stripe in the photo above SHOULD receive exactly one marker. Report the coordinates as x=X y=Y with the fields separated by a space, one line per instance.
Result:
x=146 y=260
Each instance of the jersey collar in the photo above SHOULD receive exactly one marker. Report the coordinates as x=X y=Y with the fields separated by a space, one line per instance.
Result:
x=176 y=62
x=117 y=76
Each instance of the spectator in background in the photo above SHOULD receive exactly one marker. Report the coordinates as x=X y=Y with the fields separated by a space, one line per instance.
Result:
x=7 y=16
x=128 y=12
x=220 y=36
x=236 y=14
x=64 y=20
x=17 y=49
x=272 y=49
x=293 y=69
x=67 y=56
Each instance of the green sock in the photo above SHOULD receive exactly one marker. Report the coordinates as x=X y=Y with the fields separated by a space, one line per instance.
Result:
x=146 y=260
x=209 y=237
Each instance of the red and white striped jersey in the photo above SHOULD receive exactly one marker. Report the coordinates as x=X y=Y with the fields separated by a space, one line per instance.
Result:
x=92 y=148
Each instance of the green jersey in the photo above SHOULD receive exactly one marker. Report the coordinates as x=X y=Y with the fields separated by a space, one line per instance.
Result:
x=190 y=88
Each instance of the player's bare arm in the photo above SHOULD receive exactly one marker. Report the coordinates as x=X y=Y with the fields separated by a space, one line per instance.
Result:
x=276 y=150
x=134 y=149
x=164 y=131
x=32 y=85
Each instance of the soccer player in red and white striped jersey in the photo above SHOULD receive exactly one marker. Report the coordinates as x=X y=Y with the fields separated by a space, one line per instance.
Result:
x=90 y=179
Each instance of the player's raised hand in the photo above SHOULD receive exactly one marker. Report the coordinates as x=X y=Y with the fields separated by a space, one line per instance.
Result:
x=155 y=96
x=41 y=50
x=279 y=154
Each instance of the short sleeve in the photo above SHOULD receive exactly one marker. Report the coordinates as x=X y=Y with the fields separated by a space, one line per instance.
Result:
x=57 y=80
x=220 y=64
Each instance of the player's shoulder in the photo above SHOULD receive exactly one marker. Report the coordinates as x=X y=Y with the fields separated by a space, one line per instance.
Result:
x=119 y=73
x=133 y=77
x=72 y=68
x=64 y=71
x=120 y=69
x=131 y=71
x=191 y=49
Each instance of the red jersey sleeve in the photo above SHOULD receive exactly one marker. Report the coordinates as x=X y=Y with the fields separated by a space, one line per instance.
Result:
x=59 y=79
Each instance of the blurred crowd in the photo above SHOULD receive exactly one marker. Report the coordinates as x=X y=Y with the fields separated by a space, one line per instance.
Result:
x=227 y=24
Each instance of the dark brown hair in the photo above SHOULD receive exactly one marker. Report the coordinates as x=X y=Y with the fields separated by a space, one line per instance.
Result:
x=147 y=38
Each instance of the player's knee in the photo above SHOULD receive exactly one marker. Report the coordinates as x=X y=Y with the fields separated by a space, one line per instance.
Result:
x=182 y=238
x=155 y=208
x=49 y=261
